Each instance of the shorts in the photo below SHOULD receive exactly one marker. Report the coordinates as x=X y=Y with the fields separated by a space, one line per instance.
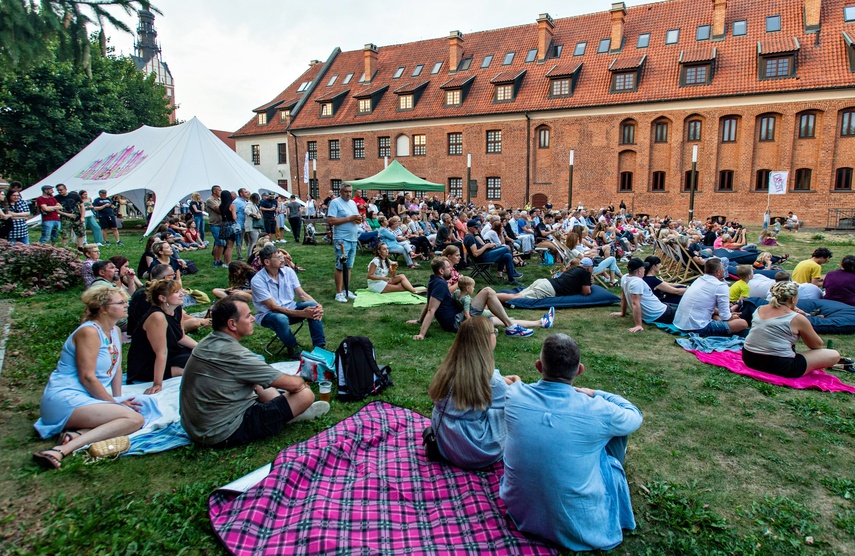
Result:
x=475 y=312
x=714 y=328
x=788 y=367
x=668 y=316
x=350 y=251
x=377 y=286
x=215 y=231
x=270 y=225
x=260 y=420
x=227 y=232
x=539 y=289
x=107 y=222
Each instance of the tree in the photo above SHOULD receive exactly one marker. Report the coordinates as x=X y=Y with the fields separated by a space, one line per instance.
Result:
x=51 y=111
x=26 y=26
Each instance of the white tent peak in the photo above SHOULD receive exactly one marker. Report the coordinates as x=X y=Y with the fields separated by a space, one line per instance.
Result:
x=172 y=162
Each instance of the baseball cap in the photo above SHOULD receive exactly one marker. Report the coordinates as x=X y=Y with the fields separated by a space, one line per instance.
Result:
x=635 y=263
x=474 y=223
x=46 y=187
x=586 y=261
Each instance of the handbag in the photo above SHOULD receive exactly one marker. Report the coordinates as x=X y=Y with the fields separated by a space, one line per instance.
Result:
x=110 y=447
x=199 y=296
x=429 y=439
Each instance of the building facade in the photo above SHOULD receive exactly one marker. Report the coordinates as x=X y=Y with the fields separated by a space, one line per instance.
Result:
x=756 y=87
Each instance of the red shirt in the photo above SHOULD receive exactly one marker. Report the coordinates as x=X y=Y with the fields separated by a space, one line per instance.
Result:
x=361 y=204
x=50 y=202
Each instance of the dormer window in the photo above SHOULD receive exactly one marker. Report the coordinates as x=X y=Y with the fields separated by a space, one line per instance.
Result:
x=777 y=58
x=367 y=100
x=562 y=80
x=696 y=67
x=780 y=66
x=285 y=115
x=363 y=106
x=405 y=102
x=506 y=86
x=330 y=103
x=453 y=98
x=504 y=93
x=624 y=81
x=560 y=87
x=626 y=73
x=262 y=118
x=455 y=90
x=326 y=109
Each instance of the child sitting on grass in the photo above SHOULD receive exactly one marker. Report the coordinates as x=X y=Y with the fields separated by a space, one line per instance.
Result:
x=740 y=290
x=463 y=297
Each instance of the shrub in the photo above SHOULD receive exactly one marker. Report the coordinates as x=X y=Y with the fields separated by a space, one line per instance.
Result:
x=28 y=269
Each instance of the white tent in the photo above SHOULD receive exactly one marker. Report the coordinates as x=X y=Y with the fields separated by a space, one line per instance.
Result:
x=172 y=162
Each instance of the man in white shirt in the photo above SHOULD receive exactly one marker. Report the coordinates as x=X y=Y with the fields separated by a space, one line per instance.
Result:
x=343 y=216
x=705 y=307
x=792 y=222
x=645 y=305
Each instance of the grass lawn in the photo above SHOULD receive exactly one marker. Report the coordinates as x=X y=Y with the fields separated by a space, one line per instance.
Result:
x=722 y=464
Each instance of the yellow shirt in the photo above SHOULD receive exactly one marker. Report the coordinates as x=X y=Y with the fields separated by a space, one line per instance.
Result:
x=806 y=271
x=737 y=290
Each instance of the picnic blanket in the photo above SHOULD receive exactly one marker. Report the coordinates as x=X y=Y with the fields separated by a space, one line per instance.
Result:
x=711 y=343
x=164 y=433
x=367 y=298
x=599 y=296
x=365 y=486
x=732 y=361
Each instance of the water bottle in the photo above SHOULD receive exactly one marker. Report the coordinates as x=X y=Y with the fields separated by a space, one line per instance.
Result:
x=830 y=344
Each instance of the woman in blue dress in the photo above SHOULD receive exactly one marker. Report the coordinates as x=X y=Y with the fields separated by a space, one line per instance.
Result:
x=82 y=400
x=468 y=395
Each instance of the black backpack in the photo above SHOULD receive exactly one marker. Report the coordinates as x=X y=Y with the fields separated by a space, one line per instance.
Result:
x=357 y=369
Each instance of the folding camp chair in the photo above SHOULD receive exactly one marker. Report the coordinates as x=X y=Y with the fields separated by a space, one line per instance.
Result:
x=269 y=348
x=485 y=270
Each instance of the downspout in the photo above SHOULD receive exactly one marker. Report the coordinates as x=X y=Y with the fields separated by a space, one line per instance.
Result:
x=527 y=157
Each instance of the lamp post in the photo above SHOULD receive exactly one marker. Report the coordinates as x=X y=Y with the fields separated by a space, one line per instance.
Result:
x=570 y=183
x=315 y=174
x=385 y=162
x=692 y=184
x=468 y=179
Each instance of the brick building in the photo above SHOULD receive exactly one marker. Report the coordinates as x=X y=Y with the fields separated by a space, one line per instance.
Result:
x=757 y=86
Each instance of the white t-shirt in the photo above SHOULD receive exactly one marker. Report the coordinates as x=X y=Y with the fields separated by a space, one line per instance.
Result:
x=651 y=307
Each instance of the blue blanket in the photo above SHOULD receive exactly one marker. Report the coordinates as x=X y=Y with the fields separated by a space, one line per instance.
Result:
x=599 y=296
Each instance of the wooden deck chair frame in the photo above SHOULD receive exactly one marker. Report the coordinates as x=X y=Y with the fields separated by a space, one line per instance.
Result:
x=689 y=269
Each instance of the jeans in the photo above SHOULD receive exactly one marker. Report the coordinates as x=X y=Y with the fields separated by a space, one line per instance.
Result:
x=401 y=250
x=367 y=237
x=199 y=219
x=215 y=231
x=281 y=325
x=92 y=223
x=296 y=224
x=25 y=240
x=503 y=259
x=609 y=263
x=50 y=231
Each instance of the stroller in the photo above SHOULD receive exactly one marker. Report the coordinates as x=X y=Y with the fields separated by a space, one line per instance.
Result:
x=309 y=235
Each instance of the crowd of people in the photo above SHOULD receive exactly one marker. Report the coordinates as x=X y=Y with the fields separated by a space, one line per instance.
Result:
x=575 y=438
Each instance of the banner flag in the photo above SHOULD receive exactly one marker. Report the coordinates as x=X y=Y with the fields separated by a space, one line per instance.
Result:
x=306 y=168
x=778 y=183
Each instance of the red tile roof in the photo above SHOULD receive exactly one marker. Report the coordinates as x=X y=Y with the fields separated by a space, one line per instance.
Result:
x=410 y=87
x=778 y=45
x=505 y=77
x=563 y=70
x=629 y=62
x=821 y=62
x=276 y=125
x=698 y=54
x=330 y=96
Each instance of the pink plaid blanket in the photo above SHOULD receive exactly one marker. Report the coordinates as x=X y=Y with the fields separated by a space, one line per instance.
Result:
x=732 y=361
x=365 y=486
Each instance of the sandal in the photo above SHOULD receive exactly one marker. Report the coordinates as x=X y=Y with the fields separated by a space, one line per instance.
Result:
x=68 y=436
x=46 y=460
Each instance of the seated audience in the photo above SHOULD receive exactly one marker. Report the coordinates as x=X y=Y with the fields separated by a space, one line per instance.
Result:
x=164 y=254
x=840 y=284
x=441 y=305
x=397 y=244
x=230 y=396
x=452 y=253
x=740 y=290
x=104 y=272
x=481 y=252
x=705 y=307
x=666 y=292
x=383 y=274
x=574 y=280
x=468 y=394
x=274 y=290
x=564 y=455
x=92 y=253
x=240 y=275
x=83 y=394
x=447 y=235
x=463 y=296
x=776 y=328
x=636 y=293
x=126 y=276
x=147 y=257
x=159 y=347
x=809 y=271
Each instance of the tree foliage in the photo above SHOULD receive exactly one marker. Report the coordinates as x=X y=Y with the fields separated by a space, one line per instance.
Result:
x=52 y=110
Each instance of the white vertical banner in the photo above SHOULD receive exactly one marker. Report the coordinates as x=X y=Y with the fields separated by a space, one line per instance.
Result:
x=778 y=183
x=306 y=168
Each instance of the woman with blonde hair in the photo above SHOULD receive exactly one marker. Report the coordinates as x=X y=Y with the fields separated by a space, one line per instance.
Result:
x=83 y=395
x=771 y=343
x=159 y=347
x=197 y=209
x=468 y=393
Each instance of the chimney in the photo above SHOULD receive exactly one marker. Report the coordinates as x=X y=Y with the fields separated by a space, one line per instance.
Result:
x=719 y=11
x=455 y=50
x=618 y=12
x=812 y=9
x=545 y=27
x=369 y=52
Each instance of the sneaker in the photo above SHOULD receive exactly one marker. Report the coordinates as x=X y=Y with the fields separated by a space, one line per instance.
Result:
x=514 y=283
x=315 y=410
x=120 y=243
x=217 y=264
x=351 y=295
x=517 y=275
x=294 y=353
x=624 y=259
x=547 y=319
x=100 y=244
x=518 y=331
x=341 y=297
x=105 y=243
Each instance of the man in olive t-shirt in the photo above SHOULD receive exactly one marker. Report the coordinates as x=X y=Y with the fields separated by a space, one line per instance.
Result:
x=229 y=395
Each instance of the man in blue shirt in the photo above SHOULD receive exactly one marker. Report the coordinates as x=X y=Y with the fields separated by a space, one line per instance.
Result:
x=343 y=216
x=240 y=210
x=273 y=291
x=564 y=453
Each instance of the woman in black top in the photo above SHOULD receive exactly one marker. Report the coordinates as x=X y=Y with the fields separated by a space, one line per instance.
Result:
x=227 y=228
x=159 y=348
x=667 y=293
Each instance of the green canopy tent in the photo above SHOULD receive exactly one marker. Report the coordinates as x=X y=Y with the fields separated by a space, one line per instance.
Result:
x=395 y=178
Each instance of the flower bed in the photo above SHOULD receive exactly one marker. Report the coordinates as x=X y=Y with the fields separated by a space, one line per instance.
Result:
x=26 y=270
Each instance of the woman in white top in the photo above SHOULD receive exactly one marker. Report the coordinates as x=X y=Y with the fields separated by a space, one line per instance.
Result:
x=383 y=277
x=771 y=343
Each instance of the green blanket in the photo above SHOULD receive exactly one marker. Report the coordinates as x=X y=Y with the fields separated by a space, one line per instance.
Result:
x=367 y=298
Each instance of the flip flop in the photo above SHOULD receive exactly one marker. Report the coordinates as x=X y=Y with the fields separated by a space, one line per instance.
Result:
x=68 y=436
x=46 y=460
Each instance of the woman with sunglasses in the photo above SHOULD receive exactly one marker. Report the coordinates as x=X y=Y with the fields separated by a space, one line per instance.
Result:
x=82 y=401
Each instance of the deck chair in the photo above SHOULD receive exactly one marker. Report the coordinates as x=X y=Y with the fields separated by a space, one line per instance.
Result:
x=688 y=268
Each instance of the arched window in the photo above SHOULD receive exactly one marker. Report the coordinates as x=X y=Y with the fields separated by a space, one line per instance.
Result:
x=543 y=137
x=843 y=179
x=627 y=132
x=402 y=146
x=803 y=176
x=762 y=183
x=626 y=181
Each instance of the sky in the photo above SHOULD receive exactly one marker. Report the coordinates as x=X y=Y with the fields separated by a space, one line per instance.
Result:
x=229 y=57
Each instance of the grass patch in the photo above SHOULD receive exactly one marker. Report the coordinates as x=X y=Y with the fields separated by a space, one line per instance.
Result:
x=723 y=458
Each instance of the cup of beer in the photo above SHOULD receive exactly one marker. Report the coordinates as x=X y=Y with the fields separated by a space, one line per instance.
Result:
x=393 y=266
x=324 y=389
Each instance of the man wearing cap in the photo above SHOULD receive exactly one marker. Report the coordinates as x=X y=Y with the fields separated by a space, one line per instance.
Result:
x=344 y=217
x=103 y=206
x=49 y=208
x=573 y=281
x=705 y=308
x=489 y=252
x=267 y=206
x=295 y=218
x=646 y=306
